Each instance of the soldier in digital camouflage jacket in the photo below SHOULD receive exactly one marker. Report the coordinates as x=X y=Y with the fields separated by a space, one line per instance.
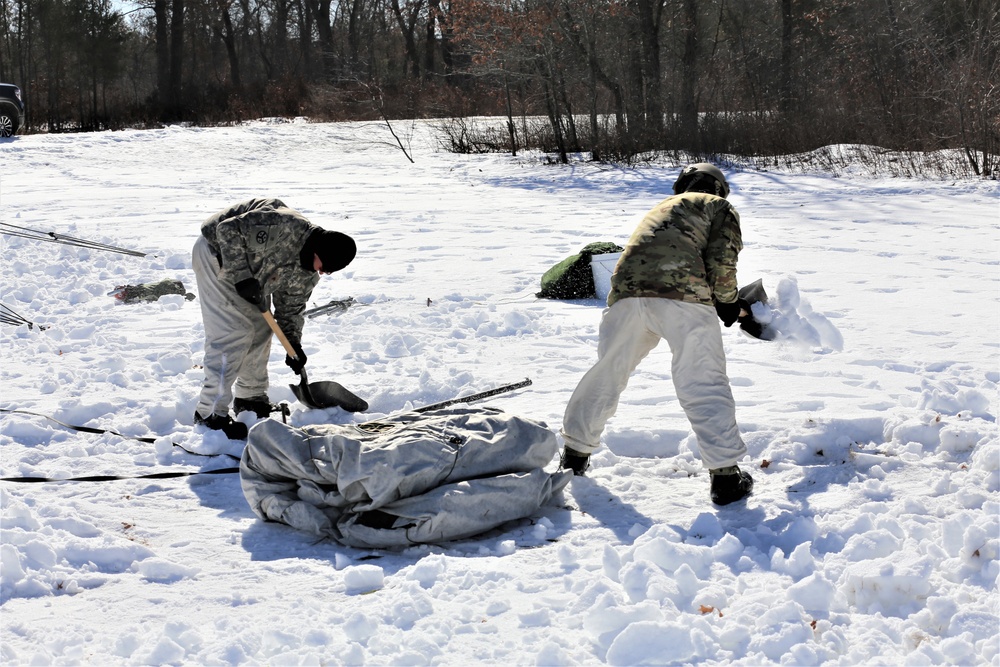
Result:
x=675 y=275
x=248 y=257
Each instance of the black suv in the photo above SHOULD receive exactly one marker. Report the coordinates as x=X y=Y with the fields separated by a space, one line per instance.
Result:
x=11 y=109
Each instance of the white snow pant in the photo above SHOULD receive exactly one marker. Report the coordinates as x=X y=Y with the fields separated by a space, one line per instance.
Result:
x=630 y=329
x=237 y=338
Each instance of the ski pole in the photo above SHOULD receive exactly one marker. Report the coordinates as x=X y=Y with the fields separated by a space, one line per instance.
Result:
x=476 y=397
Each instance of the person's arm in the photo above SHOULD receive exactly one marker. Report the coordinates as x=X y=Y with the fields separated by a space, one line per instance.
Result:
x=290 y=305
x=724 y=244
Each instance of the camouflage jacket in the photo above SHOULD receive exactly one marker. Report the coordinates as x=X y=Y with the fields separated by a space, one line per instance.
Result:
x=262 y=239
x=684 y=249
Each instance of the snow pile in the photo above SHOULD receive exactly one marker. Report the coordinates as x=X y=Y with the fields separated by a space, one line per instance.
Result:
x=790 y=318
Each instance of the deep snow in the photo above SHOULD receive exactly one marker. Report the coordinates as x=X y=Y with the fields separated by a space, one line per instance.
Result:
x=873 y=535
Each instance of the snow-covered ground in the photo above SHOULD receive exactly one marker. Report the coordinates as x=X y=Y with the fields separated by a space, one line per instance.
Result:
x=872 y=537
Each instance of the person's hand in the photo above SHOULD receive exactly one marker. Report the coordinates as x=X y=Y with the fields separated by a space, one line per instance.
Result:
x=249 y=289
x=298 y=362
x=728 y=312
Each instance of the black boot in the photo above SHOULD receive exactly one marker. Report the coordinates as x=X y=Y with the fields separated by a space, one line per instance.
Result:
x=730 y=484
x=234 y=430
x=575 y=461
x=259 y=405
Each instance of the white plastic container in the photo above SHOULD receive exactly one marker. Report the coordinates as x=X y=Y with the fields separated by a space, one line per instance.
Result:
x=602 y=266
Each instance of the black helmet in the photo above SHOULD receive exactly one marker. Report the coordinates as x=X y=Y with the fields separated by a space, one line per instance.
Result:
x=699 y=177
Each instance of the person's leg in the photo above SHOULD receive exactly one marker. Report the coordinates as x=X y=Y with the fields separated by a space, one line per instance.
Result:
x=252 y=380
x=699 y=373
x=229 y=331
x=624 y=342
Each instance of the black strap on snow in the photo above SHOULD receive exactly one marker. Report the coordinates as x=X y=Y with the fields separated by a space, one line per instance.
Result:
x=108 y=478
x=84 y=429
x=91 y=429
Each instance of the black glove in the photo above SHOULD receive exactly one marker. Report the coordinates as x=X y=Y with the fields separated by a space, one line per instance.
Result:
x=728 y=312
x=249 y=289
x=299 y=362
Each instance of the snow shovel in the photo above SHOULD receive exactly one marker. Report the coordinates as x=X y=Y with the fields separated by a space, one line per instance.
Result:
x=317 y=395
x=746 y=297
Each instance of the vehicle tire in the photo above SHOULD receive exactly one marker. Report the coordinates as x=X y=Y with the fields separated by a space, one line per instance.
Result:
x=6 y=124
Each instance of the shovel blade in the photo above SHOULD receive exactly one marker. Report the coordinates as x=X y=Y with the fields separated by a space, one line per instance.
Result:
x=754 y=292
x=327 y=394
x=749 y=295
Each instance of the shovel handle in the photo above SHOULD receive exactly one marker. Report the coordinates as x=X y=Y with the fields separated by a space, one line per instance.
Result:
x=279 y=333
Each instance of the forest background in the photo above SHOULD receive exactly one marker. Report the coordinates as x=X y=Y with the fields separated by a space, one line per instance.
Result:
x=615 y=80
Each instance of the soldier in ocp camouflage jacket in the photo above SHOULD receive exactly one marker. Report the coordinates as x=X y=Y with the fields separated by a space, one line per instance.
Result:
x=677 y=272
x=247 y=257
x=684 y=249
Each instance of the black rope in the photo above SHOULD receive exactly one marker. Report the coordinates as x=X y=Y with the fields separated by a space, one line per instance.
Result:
x=84 y=429
x=91 y=429
x=52 y=237
x=106 y=478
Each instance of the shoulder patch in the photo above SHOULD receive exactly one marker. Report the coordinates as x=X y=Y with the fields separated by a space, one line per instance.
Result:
x=259 y=238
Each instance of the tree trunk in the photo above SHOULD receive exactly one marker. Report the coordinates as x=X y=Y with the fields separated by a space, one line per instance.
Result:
x=595 y=128
x=229 y=39
x=409 y=41
x=645 y=112
x=446 y=39
x=320 y=11
x=635 y=91
x=430 y=50
x=650 y=43
x=176 y=58
x=162 y=57
x=279 y=25
x=787 y=35
x=354 y=26
x=305 y=30
x=689 y=82
x=574 y=140
x=511 y=132
x=588 y=49
x=552 y=107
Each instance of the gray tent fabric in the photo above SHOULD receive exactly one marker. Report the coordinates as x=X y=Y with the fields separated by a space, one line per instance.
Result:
x=418 y=478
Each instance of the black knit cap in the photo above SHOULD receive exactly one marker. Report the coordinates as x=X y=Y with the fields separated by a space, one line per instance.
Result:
x=335 y=250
